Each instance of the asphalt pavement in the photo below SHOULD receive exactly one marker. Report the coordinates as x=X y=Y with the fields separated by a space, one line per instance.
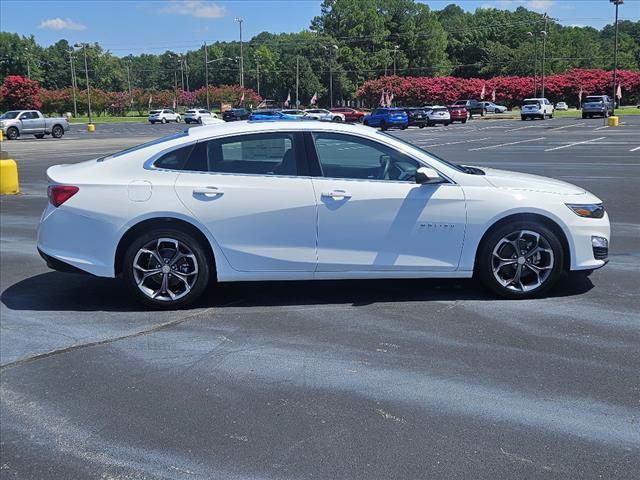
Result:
x=329 y=380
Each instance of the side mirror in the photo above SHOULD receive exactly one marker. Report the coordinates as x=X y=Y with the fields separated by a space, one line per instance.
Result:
x=426 y=175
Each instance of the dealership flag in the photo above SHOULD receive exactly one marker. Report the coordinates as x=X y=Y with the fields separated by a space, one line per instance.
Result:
x=389 y=99
x=619 y=92
x=174 y=102
x=383 y=99
x=242 y=98
x=150 y=98
x=483 y=92
x=580 y=95
x=493 y=95
x=314 y=99
x=288 y=100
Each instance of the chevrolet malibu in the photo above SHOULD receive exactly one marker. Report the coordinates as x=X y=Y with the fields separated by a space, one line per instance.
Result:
x=249 y=201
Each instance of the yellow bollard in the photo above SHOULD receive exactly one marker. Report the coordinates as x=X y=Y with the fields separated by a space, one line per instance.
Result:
x=1 y=135
x=8 y=175
x=91 y=127
x=614 y=121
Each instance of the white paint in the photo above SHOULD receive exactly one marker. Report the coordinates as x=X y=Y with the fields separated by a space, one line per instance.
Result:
x=634 y=149
x=461 y=141
x=506 y=144
x=574 y=144
x=567 y=126
x=523 y=128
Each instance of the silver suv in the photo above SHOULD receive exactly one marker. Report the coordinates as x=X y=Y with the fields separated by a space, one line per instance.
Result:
x=196 y=115
x=597 y=105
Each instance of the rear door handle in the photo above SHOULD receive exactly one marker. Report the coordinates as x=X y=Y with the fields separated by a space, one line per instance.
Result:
x=208 y=191
x=337 y=194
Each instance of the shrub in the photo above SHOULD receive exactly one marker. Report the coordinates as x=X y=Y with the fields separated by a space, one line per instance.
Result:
x=19 y=93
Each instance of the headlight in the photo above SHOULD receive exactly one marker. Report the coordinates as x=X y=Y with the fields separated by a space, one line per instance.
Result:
x=595 y=210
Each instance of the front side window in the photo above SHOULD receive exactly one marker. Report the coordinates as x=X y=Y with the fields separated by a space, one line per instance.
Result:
x=351 y=157
x=254 y=154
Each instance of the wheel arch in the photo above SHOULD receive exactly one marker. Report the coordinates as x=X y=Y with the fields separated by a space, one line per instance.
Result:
x=548 y=222
x=160 y=222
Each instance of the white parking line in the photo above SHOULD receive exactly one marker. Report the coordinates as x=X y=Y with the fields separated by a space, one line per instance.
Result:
x=566 y=126
x=574 y=144
x=522 y=128
x=461 y=141
x=600 y=128
x=505 y=144
x=634 y=149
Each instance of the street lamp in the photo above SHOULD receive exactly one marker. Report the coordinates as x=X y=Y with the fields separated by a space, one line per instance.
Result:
x=535 y=36
x=395 y=50
x=617 y=3
x=330 y=49
x=240 y=20
x=206 y=70
x=86 y=72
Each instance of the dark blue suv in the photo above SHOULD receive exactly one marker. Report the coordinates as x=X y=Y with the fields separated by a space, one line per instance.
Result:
x=385 y=118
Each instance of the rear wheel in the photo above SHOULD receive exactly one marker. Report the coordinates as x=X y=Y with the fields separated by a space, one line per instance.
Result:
x=464 y=121
x=336 y=119
x=164 y=120
x=523 y=259
x=383 y=125
x=166 y=268
x=57 y=131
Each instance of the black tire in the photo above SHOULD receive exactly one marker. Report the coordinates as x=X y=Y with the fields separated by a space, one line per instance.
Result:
x=404 y=127
x=421 y=125
x=463 y=121
x=57 y=131
x=178 y=119
x=482 y=113
x=365 y=122
x=523 y=118
x=383 y=125
x=205 y=266
x=584 y=115
x=360 y=119
x=152 y=123
x=485 y=260
x=13 y=133
x=336 y=119
x=39 y=135
x=446 y=124
x=200 y=120
x=164 y=120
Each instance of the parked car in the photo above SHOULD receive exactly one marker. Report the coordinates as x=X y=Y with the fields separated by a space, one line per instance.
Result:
x=562 y=106
x=386 y=117
x=458 y=113
x=597 y=105
x=163 y=116
x=196 y=115
x=310 y=201
x=324 y=115
x=417 y=116
x=294 y=111
x=491 y=107
x=536 y=108
x=236 y=114
x=350 y=114
x=271 y=115
x=474 y=107
x=16 y=123
x=438 y=115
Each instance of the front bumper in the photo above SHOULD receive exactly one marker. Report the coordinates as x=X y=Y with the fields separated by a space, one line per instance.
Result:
x=583 y=254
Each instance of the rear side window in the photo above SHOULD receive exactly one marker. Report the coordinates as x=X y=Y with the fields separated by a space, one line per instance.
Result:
x=255 y=154
x=175 y=159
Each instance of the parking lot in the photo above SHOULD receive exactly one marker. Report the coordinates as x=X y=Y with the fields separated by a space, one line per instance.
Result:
x=344 y=379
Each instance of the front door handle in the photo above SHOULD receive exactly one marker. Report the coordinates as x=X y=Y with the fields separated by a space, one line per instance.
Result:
x=208 y=191
x=337 y=194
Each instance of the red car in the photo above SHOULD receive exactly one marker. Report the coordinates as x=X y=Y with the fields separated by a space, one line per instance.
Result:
x=458 y=113
x=350 y=114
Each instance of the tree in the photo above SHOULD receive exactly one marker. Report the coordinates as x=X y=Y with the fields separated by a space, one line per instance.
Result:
x=18 y=93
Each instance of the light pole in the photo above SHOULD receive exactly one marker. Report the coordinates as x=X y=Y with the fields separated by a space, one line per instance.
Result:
x=395 y=50
x=240 y=20
x=86 y=72
x=617 y=3
x=206 y=70
x=330 y=50
x=73 y=83
x=535 y=36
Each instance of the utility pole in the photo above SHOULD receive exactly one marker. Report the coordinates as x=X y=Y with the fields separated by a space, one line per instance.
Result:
x=330 y=50
x=73 y=83
x=240 y=20
x=206 y=74
x=175 y=88
x=297 y=79
x=181 y=73
x=617 y=3
x=395 y=50
x=535 y=36
x=258 y=75
x=86 y=72
x=186 y=71
x=544 y=52
x=129 y=83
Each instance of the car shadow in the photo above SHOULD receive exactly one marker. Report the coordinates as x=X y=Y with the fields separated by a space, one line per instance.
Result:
x=55 y=291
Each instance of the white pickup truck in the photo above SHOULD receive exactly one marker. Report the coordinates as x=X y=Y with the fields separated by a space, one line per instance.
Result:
x=16 y=123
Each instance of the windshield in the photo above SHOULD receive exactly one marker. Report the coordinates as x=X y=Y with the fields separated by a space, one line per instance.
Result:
x=145 y=145
x=593 y=99
x=454 y=166
x=10 y=115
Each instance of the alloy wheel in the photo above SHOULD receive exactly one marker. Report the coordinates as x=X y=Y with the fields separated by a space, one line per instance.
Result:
x=165 y=269
x=522 y=261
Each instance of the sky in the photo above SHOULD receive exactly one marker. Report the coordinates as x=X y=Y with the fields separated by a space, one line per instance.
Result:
x=153 y=26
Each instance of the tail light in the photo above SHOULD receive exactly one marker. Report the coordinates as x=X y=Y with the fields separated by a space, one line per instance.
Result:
x=58 y=194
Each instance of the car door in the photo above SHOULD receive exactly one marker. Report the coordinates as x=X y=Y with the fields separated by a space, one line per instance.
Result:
x=31 y=123
x=372 y=216
x=253 y=194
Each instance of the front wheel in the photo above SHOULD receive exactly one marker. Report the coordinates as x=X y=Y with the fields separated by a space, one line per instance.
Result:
x=57 y=131
x=166 y=268
x=336 y=119
x=178 y=119
x=164 y=120
x=523 y=259
x=12 y=133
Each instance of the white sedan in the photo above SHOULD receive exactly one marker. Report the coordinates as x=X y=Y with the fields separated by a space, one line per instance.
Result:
x=324 y=115
x=283 y=200
x=493 y=108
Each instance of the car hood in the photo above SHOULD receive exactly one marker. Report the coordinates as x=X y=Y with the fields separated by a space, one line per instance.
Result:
x=533 y=183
